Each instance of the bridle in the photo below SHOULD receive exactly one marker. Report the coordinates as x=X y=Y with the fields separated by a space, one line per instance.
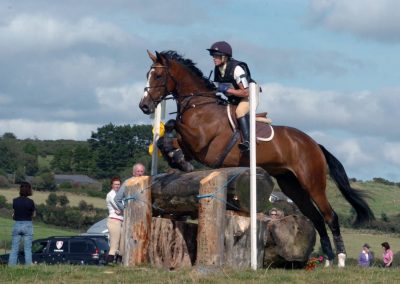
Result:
x=164 y=85
x=184 y=101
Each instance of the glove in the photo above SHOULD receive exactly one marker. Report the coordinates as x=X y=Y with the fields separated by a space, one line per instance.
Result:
x=222 y=88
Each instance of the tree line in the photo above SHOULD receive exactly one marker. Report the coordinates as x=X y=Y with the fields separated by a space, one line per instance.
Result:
x=111 y=150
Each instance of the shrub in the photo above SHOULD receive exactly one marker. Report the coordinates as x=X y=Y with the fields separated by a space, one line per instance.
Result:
x=63 y=200
x=52 y=199
x=3 y=201
x=4 y=182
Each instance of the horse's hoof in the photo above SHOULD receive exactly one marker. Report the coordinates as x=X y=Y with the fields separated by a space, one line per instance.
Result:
x=328 y=263
x=341 y=260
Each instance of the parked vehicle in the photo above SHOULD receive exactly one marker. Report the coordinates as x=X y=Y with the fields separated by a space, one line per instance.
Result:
x=89 y=249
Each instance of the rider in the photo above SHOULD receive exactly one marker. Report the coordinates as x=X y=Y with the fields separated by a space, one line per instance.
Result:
x=233 y=78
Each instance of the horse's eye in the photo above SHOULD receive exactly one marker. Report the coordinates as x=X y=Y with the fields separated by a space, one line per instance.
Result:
x=158 y=77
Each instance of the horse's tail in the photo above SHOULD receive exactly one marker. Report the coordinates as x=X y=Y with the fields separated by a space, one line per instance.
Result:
x=353 y=196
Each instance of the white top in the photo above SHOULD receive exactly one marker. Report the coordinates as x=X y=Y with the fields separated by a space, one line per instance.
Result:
x=112 y=207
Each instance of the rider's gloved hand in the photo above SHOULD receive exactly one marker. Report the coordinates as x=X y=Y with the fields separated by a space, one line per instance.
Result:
x=222 y=88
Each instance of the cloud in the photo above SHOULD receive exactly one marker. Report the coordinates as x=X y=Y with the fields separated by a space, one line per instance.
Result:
x=368 y=19
x=391 y=152
x=45 y=130
x=365 y=113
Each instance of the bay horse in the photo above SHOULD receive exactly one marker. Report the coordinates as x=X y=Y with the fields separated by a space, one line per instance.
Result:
x=293 y=158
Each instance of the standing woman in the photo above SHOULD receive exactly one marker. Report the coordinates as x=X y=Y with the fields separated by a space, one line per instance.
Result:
x=387 y=255
x=114 y=222
x=24 y=210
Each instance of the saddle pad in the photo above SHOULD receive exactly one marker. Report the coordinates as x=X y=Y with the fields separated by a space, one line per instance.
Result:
x=264 y=131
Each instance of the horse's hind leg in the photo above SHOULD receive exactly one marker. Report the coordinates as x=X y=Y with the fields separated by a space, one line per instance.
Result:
x=291 y=187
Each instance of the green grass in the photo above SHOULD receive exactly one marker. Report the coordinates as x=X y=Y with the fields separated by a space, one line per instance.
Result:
x=86 y=274
x=382 y=198
x=39 y=197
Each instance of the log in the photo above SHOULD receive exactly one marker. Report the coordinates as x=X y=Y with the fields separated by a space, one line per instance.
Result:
x=290 y=241
x=176 y=192
x=238 y=241
x=137 y=221
x=211 y=223
x=172 y=244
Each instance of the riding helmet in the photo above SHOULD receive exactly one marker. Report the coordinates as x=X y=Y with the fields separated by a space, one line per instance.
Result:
x=220 y=48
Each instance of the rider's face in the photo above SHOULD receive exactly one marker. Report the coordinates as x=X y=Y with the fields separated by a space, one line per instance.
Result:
x=217 y=60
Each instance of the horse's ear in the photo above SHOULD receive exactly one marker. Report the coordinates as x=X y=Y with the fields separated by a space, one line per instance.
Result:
x=152 y=56
x=162 y=59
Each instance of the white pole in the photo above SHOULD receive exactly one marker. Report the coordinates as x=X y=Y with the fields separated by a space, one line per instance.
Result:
x=156 y=136
x=253 y=185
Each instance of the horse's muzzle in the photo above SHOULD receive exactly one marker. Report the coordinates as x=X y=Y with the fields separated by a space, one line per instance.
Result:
x=146 y=108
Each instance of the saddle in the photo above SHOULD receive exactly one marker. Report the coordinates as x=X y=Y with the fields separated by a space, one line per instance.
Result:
x=264 y=130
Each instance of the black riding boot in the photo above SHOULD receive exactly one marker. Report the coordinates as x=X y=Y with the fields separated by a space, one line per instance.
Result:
x=244 y=124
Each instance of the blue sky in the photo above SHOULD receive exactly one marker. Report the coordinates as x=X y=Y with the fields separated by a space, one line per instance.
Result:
x=327 y=67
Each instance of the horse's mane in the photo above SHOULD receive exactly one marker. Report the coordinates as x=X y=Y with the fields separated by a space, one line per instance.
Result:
x=173 y=55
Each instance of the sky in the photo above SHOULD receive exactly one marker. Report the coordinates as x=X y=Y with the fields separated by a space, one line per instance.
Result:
x=327 y=67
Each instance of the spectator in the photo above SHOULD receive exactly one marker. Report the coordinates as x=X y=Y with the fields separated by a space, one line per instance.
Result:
x=137 y=171
x=365 y=258
x=114 y=222
x=387 y=255
x=24 y=210
x=275 y=214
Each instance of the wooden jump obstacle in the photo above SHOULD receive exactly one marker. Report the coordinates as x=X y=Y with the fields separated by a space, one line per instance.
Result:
x=219 y=199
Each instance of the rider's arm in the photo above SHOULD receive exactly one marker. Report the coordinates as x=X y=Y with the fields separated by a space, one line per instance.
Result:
x=240 y=77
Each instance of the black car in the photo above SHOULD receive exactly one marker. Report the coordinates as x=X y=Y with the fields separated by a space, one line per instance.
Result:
x=70 y=250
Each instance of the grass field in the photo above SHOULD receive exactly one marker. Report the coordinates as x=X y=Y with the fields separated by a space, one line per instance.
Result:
x=39 y=197
x=382 y=198
x=86 y=274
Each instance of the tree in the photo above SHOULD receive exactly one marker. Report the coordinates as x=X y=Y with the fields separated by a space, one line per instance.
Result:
x=45 y=181
x=63 y=200
x=82 y=160
x=117 y=147
x=62 y=160
x=9 y=135
x=52 y=199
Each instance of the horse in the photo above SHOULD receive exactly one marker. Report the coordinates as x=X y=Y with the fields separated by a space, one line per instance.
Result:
x=297 y=162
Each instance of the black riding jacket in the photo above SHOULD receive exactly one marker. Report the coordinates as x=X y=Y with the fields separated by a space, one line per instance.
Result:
x=230 y=68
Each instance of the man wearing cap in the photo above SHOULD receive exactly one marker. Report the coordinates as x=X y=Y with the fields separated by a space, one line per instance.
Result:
x=365 y=257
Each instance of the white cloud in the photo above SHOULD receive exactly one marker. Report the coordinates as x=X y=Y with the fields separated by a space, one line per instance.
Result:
x=363 y=112
x=50 y=130
x=371 y=19
x=391 y=152
x=36 y=32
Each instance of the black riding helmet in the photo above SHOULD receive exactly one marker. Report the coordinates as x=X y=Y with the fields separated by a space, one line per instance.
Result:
x=220 y=48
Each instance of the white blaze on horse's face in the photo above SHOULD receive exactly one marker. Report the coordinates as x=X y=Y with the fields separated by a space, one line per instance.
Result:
x=146 y=92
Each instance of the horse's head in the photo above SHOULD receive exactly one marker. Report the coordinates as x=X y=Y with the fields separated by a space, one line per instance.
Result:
x=159 y=84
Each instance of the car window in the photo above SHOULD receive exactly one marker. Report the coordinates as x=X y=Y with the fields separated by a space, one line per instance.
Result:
x=39 y=247
x=79 y=246
x=58 y=246
x=102 y=244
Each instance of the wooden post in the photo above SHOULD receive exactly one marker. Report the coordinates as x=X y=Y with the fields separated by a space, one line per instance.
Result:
x=211 y=222
x=137 y=221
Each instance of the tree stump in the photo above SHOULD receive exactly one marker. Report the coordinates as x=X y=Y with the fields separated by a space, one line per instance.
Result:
x=211 y=222
x=290 y=241
x=137 y=221
x=238 y=241
x=172 y=244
